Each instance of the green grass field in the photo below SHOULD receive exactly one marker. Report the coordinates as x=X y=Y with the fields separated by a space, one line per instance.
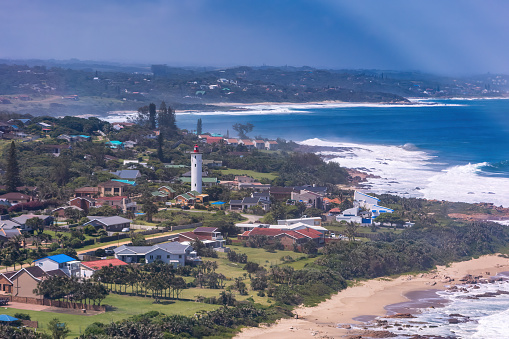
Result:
x=255 y=175
x=125 y=306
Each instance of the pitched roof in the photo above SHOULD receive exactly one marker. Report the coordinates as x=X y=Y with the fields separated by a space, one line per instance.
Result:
x=115 y=198
x=8 y=224
x=108 y=221
x=10 y=233
x=15 y=196
x=269 y=232
x=206 y=229
x=22 y=219
x=87 y=190
x=194 y=236
x=310 y=233
x=127 y=174
x=59 y=258
x=292 y=234
x=98 y=264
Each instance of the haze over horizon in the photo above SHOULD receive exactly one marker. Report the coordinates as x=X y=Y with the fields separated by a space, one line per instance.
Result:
x=453 y=37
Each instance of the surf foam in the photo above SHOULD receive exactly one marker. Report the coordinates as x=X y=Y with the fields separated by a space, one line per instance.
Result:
x=410 y=172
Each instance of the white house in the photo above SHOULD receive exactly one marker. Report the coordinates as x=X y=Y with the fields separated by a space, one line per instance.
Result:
x=63 y=262
x=365 y=209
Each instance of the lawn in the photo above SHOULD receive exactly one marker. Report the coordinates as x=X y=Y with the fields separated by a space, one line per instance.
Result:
x=253 y=174
x=125 y=306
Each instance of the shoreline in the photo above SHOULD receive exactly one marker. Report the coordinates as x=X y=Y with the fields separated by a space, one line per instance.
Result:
x=371 y=298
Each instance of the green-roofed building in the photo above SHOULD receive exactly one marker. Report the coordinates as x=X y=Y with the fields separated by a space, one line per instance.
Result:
x=206 y=182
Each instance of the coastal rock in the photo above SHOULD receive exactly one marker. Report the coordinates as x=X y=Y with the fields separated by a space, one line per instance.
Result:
x=377 y=334
x=400 y=315
x=453 y=321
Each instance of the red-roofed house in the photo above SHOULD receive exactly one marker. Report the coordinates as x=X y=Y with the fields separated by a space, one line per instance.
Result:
x=214 y=140
x=248 y=143
x=271 y=145
x=259 y=144
x=232 y=142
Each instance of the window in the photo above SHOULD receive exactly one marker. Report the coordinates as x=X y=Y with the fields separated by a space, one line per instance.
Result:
x=168 y=256
x=151 y=257
x=158 y=257
x=180 y=256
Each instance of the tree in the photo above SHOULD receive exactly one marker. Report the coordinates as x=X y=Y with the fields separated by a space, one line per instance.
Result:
x=243 y=129
x=36 y=224
x=166 y=120
x=152 y=116
x=12 y=176
x=149 y=208
x=199 y=127
x=350 y=230
x=58 y=330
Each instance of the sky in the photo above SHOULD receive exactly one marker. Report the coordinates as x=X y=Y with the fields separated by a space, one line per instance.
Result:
x=435 y=36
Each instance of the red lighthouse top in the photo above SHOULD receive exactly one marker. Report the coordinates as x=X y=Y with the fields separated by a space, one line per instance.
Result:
x=196 y=150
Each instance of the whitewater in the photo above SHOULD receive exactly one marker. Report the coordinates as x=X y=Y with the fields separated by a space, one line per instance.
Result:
x=406 y=171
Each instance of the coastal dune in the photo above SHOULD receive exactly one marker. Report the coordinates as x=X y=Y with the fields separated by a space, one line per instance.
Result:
x=330 y=319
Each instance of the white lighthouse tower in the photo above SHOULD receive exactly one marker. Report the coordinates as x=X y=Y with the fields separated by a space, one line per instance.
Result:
x=196 y=170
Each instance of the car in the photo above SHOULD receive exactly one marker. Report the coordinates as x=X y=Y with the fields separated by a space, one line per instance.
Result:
x=109 y=252
x=185 y=207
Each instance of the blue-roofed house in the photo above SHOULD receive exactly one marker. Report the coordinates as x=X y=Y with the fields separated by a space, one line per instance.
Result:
x=63 y=262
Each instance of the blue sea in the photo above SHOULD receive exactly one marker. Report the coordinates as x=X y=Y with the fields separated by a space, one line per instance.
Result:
x=455 y=149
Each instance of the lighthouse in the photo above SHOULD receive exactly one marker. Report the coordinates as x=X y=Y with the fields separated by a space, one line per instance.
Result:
x=196 y=170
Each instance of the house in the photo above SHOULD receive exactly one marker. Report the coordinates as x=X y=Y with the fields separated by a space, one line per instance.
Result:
x=170 y=192
x=259 y=144
x=22 y=219
x=16 y=198
x=281 y=193
x=6 y=283
x=249 y=202
x=271 y=145
x=127 y=174
x=113 y=224
x=248 y=144
x=63 y=262
x=232 y=142
x=290 y=239
x=321 y=190
x=23 y=282
x=89 y=192
x=56 y=150
x=130 y=144
x=185 y=199
x=82 y=202
x=88 y=268
x=172 y=253
x=311 y=221
x=113 y=188
x=209 y=236
x=61 y=212
x=365 y=209
x=214 y=140
x=6 y=233
x=123 y=203
x=310 y=199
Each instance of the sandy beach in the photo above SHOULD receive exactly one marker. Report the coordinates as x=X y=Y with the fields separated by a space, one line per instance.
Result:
x=370 y=298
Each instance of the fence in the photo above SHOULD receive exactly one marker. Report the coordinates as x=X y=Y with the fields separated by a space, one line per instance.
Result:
x=57 y=303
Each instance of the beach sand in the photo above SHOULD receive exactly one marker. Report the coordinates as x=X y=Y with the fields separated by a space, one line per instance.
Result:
x=370 y=298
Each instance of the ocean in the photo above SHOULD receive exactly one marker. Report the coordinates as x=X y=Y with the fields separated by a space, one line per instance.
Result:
x=478 y=311
x=455 y=149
